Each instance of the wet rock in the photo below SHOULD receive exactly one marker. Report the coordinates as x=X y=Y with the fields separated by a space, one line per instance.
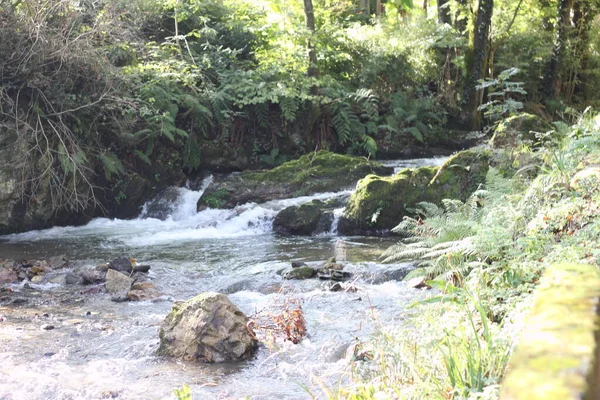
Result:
x=312 y=218
x=299 y=220
x=379 y=277
x=380 y=203
x=336 y=287
x=67 y=278
x=298 y=264
x=253 y=285
x=141 y=268
x=305 y=272
x=143 y=291
x=92 y=276
x=103 y=267
x=58 y=262
x=208 y=327
x=121 y=264
x=47 y=327
x=161 y=207
x=8 y=275
x=312 y=173
x=335 y=275
x=15 y=301
x=418 y=283
x=117 y=283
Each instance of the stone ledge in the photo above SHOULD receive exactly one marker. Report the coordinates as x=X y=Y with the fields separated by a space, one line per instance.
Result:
x=557 y=351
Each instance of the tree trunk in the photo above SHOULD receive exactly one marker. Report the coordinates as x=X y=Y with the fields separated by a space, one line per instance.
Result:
x=425 y=6
x=478 y=59
x=378 y=7
x=553 y=81
x=443 y=9
x=365 y=5
x=310 y=25
x=583 y=15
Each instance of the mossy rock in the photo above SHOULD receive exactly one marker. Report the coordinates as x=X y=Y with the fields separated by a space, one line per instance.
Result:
x=312 y=173
x=519 y=129
x=379 y=203
x=557 y=351
x=312 y=218
x=305 y=272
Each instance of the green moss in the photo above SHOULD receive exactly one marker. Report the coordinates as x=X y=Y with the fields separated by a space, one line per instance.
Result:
x=322 y=164
x=322 y=171
x=519 y=129
x=379 y=203
x=556 y=350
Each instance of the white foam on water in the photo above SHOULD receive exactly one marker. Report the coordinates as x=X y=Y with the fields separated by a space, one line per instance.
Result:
x=183 y=224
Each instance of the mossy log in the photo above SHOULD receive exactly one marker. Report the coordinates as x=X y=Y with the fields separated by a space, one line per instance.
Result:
x=557 y=355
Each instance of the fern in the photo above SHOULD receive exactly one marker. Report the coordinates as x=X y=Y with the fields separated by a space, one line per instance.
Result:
x=451 y=239
x=111 y=164
x=289 y=107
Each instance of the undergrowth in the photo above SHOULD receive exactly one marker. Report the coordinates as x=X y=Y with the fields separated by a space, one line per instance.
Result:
x=484 y=257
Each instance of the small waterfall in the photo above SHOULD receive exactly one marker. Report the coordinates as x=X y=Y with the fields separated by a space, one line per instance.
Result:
x=177 y=203
x=337 y=214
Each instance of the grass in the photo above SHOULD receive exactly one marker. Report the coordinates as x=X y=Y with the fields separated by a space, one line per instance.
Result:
x=486 y=256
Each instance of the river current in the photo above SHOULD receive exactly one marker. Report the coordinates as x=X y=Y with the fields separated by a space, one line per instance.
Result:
x=102 y=349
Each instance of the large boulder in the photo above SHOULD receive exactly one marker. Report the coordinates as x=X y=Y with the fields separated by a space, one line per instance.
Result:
x=163 y=205
x=209 y=328
x=322 y=171
x=379 y=203
x=518 y=130
x=311 y=218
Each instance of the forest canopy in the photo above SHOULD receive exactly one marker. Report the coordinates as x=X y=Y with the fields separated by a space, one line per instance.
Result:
x=98 y=90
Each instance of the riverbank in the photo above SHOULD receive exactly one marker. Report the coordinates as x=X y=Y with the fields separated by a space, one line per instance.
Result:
x=486 y=256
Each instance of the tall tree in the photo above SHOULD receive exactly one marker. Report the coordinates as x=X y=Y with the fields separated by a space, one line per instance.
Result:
x=553 y=74
x=443 y=9
x=478 y=59
x=310 y=25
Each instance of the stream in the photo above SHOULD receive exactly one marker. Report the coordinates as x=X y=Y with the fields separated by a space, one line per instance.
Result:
x=101 y=349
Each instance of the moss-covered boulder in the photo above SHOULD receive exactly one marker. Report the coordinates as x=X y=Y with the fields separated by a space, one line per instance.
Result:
x=519 y=129
x=379 y=203
x=322 y=171
x=299 y=220
x=557 y=355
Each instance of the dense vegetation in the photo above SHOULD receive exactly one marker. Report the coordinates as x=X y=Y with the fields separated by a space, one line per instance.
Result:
x=98 y=95
x=98 y=92
x=486 y=256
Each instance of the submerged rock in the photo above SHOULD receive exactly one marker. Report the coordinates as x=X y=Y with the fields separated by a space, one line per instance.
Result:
x=379 y=203
x=322 y=171
x=208 y=327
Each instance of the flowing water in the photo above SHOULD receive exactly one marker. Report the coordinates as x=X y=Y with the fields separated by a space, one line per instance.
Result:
x=102 y=349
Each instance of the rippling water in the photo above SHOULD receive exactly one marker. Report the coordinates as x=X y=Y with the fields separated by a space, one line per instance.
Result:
x=101 y=349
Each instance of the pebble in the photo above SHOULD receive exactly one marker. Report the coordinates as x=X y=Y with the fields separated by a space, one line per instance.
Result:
x=47 y=327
